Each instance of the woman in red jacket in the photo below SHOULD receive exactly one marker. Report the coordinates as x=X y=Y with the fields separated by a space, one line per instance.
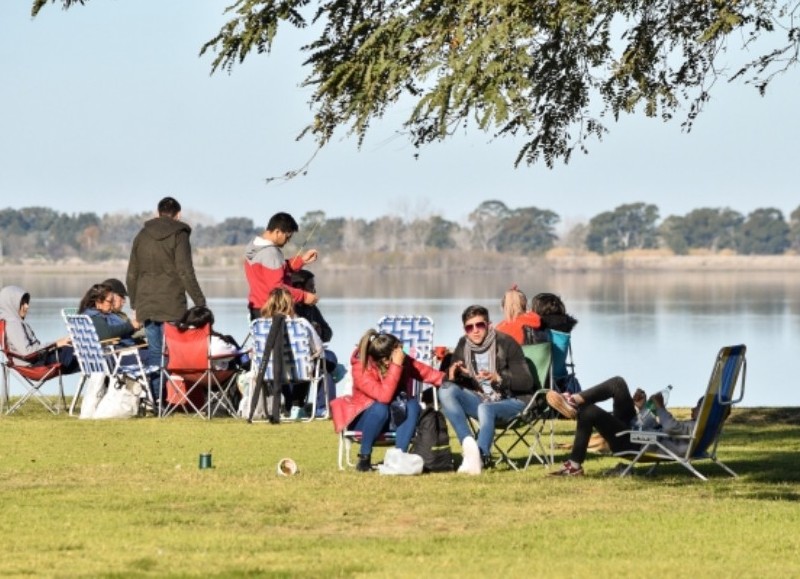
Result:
x=383 y=396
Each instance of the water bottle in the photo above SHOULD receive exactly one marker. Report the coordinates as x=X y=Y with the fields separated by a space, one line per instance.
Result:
x=650 y=406
x=646 y=419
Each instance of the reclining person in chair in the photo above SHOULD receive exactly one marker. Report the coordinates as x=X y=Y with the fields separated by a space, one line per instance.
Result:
x=625 y=415
x=492 y=382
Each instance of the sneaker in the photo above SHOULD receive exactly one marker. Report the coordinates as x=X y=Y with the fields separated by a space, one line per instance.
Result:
x=568 y=470
x=297 y=413
x=565 y=406
x=472 y=457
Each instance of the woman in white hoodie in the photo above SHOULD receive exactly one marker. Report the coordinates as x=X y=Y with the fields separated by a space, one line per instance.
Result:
x=22 y=341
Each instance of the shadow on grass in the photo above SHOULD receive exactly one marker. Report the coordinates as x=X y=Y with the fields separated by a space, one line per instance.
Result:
x=765 y=416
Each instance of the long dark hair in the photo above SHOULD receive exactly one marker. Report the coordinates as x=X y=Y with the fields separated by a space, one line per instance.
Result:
x=97 y=293
x=200 y=317
x=196 y=317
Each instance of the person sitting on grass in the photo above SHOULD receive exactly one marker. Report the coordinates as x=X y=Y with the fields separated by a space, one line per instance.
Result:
x=382 y=394
x=625 y=415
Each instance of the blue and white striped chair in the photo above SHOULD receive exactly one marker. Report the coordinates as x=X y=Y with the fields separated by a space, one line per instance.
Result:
x=96 y=359
x=415 y=332
x=300 y=362
x=416 y=335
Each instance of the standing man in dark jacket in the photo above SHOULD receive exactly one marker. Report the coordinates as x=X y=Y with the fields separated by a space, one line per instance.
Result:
x=160 y=274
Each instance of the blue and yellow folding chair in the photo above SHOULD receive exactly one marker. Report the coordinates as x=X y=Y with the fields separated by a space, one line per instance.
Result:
x=730 y=369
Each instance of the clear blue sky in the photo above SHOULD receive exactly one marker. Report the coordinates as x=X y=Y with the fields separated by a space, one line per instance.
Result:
x=108 y=108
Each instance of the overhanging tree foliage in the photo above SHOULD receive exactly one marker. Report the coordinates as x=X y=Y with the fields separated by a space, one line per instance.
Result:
x=549 y=72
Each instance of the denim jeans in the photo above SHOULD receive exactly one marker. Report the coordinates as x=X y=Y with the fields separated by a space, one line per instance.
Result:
x=375 y=420
x=154 y=332
x=459 y=403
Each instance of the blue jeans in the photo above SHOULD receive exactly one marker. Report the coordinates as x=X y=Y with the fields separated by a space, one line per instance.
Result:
x=375 y=420
x=459 y=403
x=154 y=332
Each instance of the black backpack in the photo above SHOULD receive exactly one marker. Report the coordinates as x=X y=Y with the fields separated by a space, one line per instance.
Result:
x=432 y=442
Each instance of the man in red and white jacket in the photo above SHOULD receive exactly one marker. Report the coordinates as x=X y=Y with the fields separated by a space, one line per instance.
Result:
x=266 y=268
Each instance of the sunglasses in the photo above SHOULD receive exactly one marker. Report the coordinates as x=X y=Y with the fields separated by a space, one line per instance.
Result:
x=476 y=326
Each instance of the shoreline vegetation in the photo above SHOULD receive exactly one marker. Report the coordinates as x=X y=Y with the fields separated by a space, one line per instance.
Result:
x=558 y=260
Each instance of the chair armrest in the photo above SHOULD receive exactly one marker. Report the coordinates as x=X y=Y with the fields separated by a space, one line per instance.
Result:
x=33 y=356
x=645 y=436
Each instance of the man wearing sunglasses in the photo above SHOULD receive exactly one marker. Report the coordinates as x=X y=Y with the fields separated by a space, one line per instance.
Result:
x=492 y=382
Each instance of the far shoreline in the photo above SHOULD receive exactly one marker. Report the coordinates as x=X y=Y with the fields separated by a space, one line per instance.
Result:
x=558 y=261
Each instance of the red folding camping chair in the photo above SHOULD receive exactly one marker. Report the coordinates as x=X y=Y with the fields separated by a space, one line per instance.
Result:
x=32 y=378
x=192 y=381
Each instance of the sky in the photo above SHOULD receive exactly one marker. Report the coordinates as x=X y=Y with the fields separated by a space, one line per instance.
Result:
x=108 y=108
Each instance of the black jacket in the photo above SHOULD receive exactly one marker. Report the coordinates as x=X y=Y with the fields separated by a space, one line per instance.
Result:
x=510 y=364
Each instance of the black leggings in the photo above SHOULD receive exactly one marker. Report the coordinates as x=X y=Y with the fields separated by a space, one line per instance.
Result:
x=608 y=424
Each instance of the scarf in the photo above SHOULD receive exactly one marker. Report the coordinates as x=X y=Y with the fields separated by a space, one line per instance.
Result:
x=488 y=345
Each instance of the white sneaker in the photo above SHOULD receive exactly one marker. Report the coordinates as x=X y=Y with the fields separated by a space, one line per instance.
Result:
x=472 y=457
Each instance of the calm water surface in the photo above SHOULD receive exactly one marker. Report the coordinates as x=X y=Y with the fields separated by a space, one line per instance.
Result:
x=652 y=329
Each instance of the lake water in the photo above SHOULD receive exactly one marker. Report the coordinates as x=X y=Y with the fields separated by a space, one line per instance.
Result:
x=652 y=329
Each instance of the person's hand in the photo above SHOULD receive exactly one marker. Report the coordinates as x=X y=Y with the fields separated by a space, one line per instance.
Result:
x=136 y=324
x=455 y=369
x=310 y=256
x=310 y=298
x=61 y=342
x=398 y=355
x=485 y=375
x=658 y=400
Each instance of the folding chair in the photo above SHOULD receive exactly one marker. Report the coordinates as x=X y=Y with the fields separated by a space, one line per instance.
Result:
x=730 y=366
x=416 y=335
x=300 y=362
x=96 y=358
x=190 y=376
x=531 y=420
x=32 y=378
x=563 y=364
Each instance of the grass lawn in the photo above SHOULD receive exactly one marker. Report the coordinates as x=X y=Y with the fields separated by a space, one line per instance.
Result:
x=127 y=499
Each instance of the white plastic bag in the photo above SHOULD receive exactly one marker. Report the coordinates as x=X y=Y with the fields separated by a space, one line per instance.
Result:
x=245 y=382
x=93 y=392
x=397 y=462
x=119 y=402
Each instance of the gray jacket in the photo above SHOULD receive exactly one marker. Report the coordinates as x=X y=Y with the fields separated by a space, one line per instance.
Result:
x=20 y=338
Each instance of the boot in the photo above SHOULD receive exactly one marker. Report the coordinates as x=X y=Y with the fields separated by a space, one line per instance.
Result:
x=364 y=463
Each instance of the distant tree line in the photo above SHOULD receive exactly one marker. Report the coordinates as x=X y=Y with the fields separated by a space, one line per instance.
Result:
x=40 y=232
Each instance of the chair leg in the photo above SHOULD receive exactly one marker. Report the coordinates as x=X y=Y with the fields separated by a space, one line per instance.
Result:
x=77 y=395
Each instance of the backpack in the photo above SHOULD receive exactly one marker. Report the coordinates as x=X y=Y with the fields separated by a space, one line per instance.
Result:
x=432 y=442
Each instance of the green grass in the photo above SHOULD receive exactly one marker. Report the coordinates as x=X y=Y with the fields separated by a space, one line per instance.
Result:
x=127 y=499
